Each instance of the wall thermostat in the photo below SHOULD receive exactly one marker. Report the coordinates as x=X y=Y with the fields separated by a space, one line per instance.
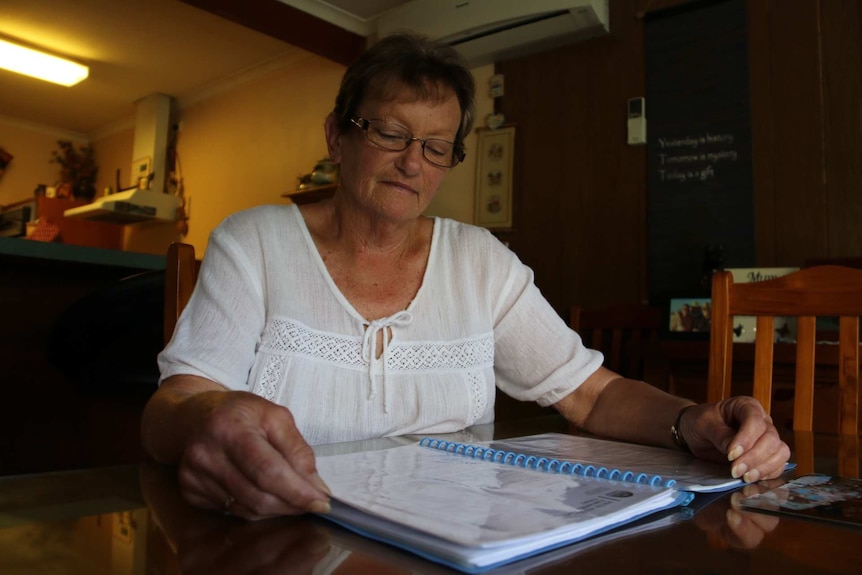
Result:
x=636 y=122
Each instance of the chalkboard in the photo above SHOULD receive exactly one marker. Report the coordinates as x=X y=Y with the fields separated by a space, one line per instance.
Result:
x=700 y=206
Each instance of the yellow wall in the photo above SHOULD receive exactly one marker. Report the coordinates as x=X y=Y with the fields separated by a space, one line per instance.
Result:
x=456 y=196
x=31 y=145
x=114 y=152
x=240 y=145
x=246 y=146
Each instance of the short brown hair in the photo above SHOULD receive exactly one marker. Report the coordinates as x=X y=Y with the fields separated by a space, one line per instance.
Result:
x=417 y=62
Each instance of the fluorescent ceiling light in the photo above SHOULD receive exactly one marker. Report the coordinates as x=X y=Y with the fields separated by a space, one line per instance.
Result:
x=41 y=65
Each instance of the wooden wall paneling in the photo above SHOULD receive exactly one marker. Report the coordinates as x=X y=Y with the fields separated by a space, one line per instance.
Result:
x=579 y=176
x=841 y=41
x=797 y=119
x=541 y=170
x=762 y=130
x=611 y=177
x=576 y=207
x=632 y=167
x=621 y=181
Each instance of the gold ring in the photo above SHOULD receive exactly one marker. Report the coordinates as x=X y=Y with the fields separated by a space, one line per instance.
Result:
x=228 y=501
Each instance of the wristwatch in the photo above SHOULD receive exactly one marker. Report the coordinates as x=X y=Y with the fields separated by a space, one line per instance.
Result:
x=675 y=432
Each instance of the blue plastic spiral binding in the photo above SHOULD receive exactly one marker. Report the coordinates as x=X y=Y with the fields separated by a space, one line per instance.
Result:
x=549 y=465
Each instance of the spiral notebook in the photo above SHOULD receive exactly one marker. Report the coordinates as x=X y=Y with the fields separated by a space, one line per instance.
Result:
x=473 y=512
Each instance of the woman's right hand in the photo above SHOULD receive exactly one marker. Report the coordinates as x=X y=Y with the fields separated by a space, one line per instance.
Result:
x=237 y=452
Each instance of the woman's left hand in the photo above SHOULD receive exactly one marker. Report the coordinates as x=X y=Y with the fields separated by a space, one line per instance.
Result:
x=737 y=430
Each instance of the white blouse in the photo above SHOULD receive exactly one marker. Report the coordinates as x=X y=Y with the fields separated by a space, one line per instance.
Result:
x=266 y=317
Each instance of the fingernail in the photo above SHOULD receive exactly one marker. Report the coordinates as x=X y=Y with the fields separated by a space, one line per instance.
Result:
x=738 y=470
x=733 y=518
x=751 y=476
x=319 y=507
x=321 y=484
x=734 y=453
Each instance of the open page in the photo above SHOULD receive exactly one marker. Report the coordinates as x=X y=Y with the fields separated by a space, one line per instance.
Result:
x=473 y=514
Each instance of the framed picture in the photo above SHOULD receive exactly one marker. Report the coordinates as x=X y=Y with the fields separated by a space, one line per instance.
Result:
x=690 y=315
x=495 y=157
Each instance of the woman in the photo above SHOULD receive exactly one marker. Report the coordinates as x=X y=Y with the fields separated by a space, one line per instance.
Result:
x=359 y=317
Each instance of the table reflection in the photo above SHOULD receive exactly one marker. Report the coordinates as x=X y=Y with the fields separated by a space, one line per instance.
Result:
x=206 y=542
x=133 y=520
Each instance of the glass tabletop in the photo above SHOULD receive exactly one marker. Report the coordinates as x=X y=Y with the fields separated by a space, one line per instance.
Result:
x=133 y=519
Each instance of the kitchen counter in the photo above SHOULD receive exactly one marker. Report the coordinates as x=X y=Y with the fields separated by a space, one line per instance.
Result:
x=15 y=248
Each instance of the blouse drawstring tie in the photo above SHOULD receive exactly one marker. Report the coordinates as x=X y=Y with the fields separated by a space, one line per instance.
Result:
x=369 y=346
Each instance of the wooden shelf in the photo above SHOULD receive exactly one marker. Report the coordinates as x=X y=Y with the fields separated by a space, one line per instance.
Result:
x=310 y=195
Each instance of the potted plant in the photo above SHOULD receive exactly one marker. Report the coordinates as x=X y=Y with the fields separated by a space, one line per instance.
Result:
x=78 y=170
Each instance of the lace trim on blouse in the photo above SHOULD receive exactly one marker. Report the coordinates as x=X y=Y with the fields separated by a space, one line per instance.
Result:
x=283 y=336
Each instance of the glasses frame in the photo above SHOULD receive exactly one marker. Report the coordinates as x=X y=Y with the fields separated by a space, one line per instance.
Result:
x=458 y=152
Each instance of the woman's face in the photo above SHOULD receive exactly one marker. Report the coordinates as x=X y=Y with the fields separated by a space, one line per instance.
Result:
x=396 y=186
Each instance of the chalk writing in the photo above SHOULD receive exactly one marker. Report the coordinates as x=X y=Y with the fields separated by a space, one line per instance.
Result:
x=694 y=157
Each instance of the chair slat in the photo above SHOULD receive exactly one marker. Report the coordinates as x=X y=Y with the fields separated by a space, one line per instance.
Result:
x=617 y=331
x=764 y=351
x=848 y=375
x=803 y=397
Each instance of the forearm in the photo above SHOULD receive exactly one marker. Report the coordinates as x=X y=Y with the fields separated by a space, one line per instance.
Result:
x=635 y=411
x=625 y=409
x=173 y=413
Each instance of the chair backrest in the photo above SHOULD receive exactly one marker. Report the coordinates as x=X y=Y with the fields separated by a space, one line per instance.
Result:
x=181 y=273
x=619 y=332
x=821 y=291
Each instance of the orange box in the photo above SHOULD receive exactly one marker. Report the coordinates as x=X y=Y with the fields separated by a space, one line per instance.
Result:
x=78 y=231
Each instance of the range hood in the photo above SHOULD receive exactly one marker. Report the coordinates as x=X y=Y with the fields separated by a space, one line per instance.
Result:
x=145 y=199
x=129 y=207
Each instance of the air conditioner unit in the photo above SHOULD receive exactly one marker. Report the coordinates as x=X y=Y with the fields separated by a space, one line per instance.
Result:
x=486 y=31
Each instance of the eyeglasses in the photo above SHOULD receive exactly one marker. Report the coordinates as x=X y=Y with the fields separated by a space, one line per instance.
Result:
x=395 y=138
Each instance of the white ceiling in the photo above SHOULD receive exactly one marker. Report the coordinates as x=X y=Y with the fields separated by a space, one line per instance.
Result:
x=354 y=15
x=139 y=47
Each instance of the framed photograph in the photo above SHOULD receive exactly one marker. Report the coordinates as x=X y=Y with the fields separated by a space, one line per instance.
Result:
x=690 y=315
x=495 y=157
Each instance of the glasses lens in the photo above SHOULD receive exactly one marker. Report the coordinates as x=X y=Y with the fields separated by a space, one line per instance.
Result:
x=395 y=138
x=439 y=152
x=388 y=136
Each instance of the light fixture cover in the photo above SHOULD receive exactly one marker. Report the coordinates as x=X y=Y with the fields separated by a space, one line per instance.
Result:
x=40 y=65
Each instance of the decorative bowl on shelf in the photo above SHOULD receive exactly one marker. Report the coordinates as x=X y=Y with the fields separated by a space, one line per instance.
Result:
x=325 y=172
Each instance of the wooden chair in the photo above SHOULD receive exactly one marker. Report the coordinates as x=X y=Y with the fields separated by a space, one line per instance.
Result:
x=821 y=291
x=620 y=332
x=181 y=273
